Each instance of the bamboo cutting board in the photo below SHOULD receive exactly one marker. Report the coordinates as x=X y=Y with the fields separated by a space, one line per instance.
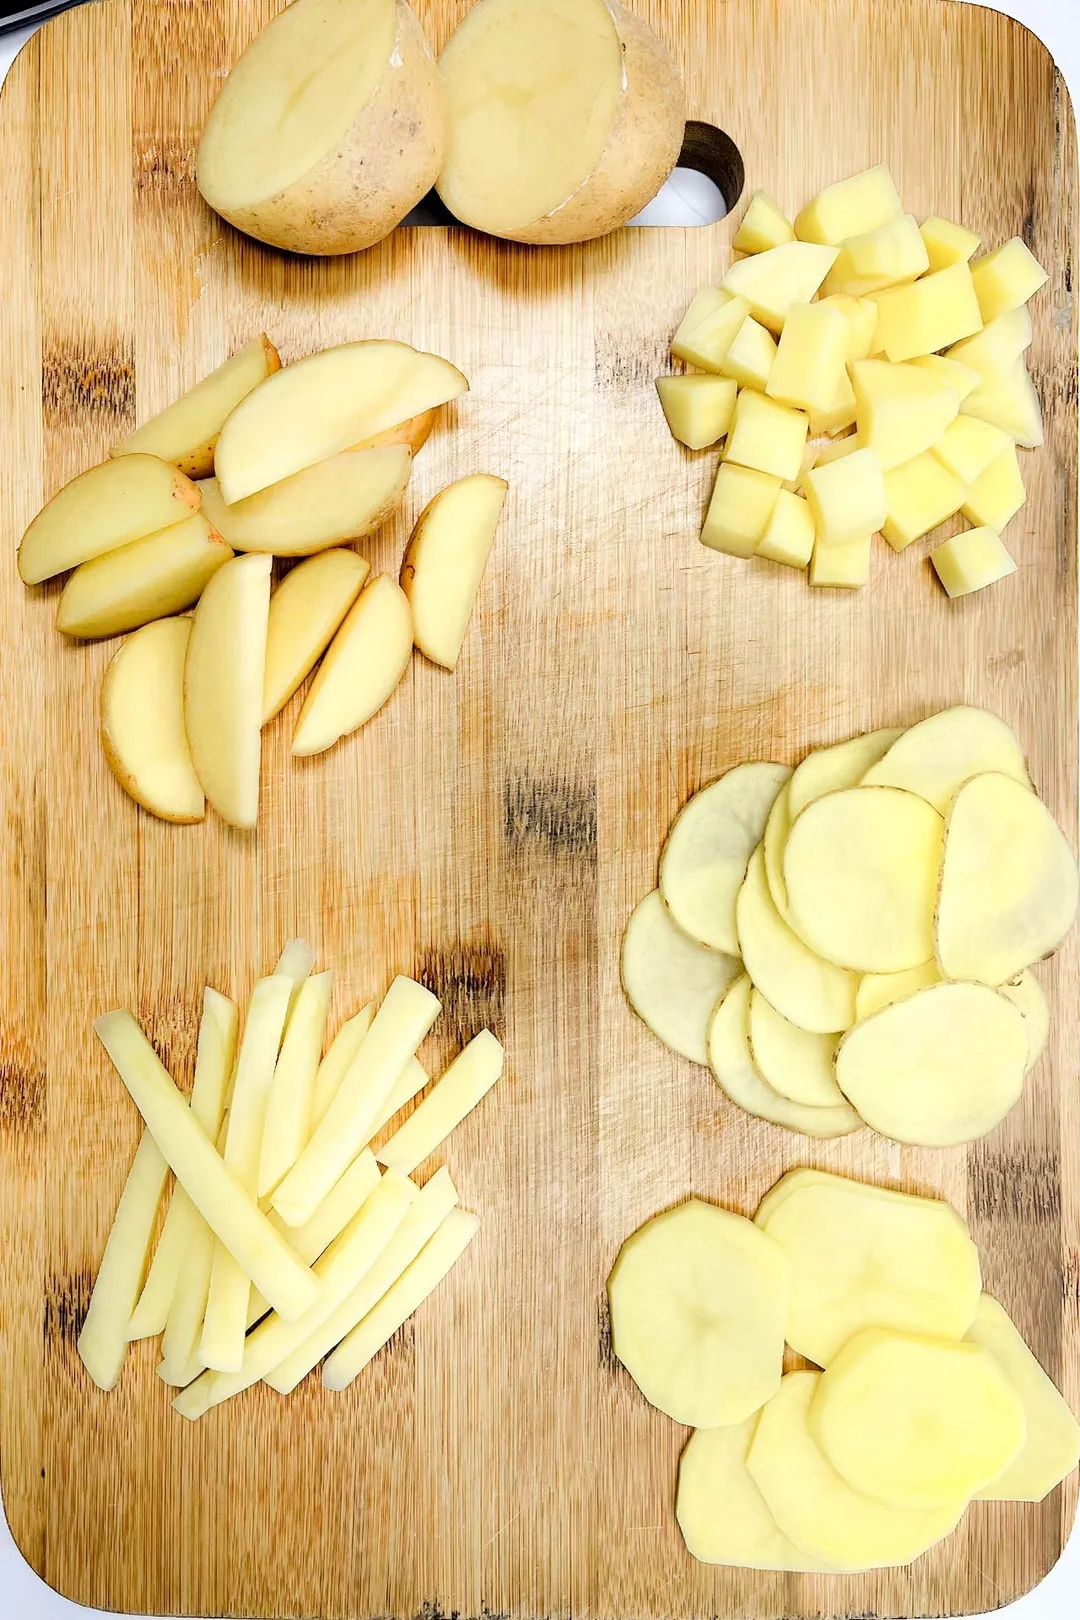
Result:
x=489 y=832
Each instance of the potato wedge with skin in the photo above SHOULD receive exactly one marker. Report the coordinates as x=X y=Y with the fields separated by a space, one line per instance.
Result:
x=723 y=1516
x=1051 y=1449
x=346 y=497
x=101 y=510
x=362 y=667
x=814 y=994
x=936 y=756
x=1027 y=993
x=792 y=1061
x=152 y=578
x=414 y=434
x=445 y=561
x=672 y=983
x=186 y=432
x=306 y=611
x=142 y=722
x=843 y=765
x=879 y=990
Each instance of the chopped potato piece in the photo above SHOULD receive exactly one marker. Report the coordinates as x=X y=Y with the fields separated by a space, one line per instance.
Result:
x=934 y=757
x=840 y=414
x=445 y=559
x=771 y=282
x=291 y=1090
x=811 y=358
x=837 y=449
x=698 y=408
x=825 y=770
x=672 y=983
x=343 y=498
x=963 y=378
x=938 y=310
x=1010 y=402
x=723 y=1516
x=709 y=328
x=919 y=496
x=750 y=359
x=971 y=561
x=947 y=243
x=847 y=498
x=845 y=564
x=998 y=346
x=887 y=256
x=186 y=432
x=767 y=436
x=465 y=1084
x=361 y=670
x=306 y=611
x=148 y=579
x=847 y=207
x=789 y=537
x=1051 y=1449
x=764 y=226
x=1007 y=278
x=996 y=497
x=968 y=446
x=103 y=1338
x=142 y=722
x=810 y=992
x=878 y=990
x=1027 y=993
x=860 y=317
x=794 y=1062
x=743 y=501
x=902 y=410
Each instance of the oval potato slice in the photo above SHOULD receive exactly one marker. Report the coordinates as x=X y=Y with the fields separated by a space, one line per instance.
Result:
x=844 y=765
x=773 y=845
x=812 y=993
x=792 y=1061
x=723 y=1516
x=934 y=757
x=878 y=990
x=1052 y=1448
x=1028 y=994
x=671 y=983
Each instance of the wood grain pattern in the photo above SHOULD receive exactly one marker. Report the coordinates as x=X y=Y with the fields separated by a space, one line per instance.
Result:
x=491 y=831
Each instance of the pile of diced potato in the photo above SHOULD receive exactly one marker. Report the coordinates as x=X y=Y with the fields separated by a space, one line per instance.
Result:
x=921 y=1394
x=867 y=375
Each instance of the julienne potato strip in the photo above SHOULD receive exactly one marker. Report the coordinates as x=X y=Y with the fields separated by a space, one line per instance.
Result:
x=468 y=1079
x=288 y=1108
x=180 y=1360
x=338 y=1060
x=295 y=962
x=328 y=1222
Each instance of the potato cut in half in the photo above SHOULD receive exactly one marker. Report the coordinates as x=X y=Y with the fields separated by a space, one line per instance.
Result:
x=107 y=507
x=345 y=497
x=362 y=667
x=186 y=432
x=223 y=687
x=306 y=612
x=670 y=982
x=861 y=870
x=150 y=578
x=699 y=1299
x=142 y=722
x=843 y=765
x=1008 y=882
x=324 y=404
x=563 y=118
x=445 y=561
x=816 y=1508
x=814 y=994
x=1027 y=993
x=792 y=1061
x=878 y=990
x=328 y=129
x=943 y=1067
x=708 y=850
x=916 y=1422
x=1051 y=1449
x=864 y=1256
x=723 y=1516
x=936 y=756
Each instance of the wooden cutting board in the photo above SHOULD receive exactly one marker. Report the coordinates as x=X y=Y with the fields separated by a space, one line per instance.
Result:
x=489 y=832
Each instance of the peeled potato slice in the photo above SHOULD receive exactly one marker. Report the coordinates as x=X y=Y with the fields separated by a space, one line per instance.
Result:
x=879 y=990
x=844 y=765
x=794 y=1062
x=699 y=1299
x=943 y=1067
x=812 y=993
x=708 y=850
x=933 y=758
x=1052 y=1448
x=1028 y=994
x=671 y=983
x=723 y=1516
x=772 y=848
x=1008 y=882
x=916 y=1422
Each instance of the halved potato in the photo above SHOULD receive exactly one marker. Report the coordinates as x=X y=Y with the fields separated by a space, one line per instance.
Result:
x=670 y=982
x=810 y=992
x=1051 y=1449
x=363 y=665
x=102 y=509
x=306 y=612
x=844 y=765
x=142 y=722
x=792 y=1061
x=150 y=578
x=445 y=560
x=343 y=498
x=878 y=990
x=723 y=1516
x=934 y=757
x=1027 y=993
x=186 y=432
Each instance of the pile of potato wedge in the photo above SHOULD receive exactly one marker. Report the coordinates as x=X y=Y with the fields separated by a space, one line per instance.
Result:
x=918 y=1393
x=850 y=942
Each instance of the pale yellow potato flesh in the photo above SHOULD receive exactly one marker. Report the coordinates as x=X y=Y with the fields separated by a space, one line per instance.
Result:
x=772 y=849
x=794 y=1062
x=185 y=432
x=361 y=669
x=338 y=1059
x=464 y=1085
x=180 y=1363
x=935 y=757
x=223 y=687
x=843 y=765
x=814 y=994
x=287 y=1120
x=295 y=963
x=345 y=497
x=879 y=990
x=142 y=722
x=107 y=507
x=445 y=560
x=1009 y=882
x=723 y=1516
x=671 y=982
x=151 y=578
x=342 y=1202
x=414 y=434
x=772 y=281
x=1051 y=1448
x=306 y=612
x=1027 y=993
x=414 y=1077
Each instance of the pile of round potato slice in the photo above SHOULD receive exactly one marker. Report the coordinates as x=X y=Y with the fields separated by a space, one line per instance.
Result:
x=850 y=942
x=921 y=1396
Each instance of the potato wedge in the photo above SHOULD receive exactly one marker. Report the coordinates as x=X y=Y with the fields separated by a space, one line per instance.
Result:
x=814 y=994
x=142 y=722
x=936 y=756
x=1051 y=1448
x=445 y=560
x=345 y=497
x=843 y=765
x=672 y=983
x=723 y=1516
x=792 y=1061
x=102 y=509
x=186 y=432
x=306 y=612
x=414 y=434
x=147 y=579
x=1027 y=993
x=363 y=665
x=878 y=990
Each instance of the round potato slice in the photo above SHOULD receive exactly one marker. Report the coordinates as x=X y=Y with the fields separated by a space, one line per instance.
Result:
x=935 y=757
x=699 y=1300
x=671 y=983
x=1028 y=994
x=943 y=1067
x=815 y=1507
x=1052 y=1448
x=792 y=1061
x=810 y=992
x=1008 y=882
x=708 y=849
x=722 y=1514
x=772 y=847
x=916 y=1422
x=878 y=990
x=737 y=1075
x=844 y=765
x=861 y=869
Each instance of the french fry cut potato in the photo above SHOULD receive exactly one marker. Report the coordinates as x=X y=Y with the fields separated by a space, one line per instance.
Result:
x=864 y=1256
x=861 y=870
x=148 y=579
x=102 y=509
x=142 y=722
x=337 y=1061
x=827 y=770
x=723 y=1516
x=445 y=560
x=186 y=432
x=590 y=133
x=466 y=1082
x=362 y=667
x=699 y=1299
x=1008 y=882
x=414 y=1077
x=817 y=1509
x=288 y=1107
x=346 y=497
x=792 y=1061
x=103 y=1341
x=1051 y=1449
x=328 y=130
x=943 y=1067
x=1027 y=993
x=295 y=963
x=916 y=1422
x=306 y=612
x=672 y=983
x=936 y=756
x=814 y=994
x=180 y=1363
x=708 y=850
x=342 y=1202
x=879 y=990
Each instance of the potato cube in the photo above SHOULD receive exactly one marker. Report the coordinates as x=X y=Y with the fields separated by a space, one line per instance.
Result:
x=963 y=378
x=1007 y=278
x=811 y=358
x=704 y=341
x=902 y=410
x=861 y=203
x=739 y=512
x=846 y=566
x=930 y=314
x=769 y=437
x=847 y=497
x=861 y=317
x=892 y=254
x=1009 y=401
x=750 y=357
x=841 y=414
x=810 y=456
x=998 y=346
x=698 y=407
x=705 y=302
x=763 y=227
x=968 y=446
x=837 y=449
x=947 y=243
x=771 y=282
x=789 y=537
x=971 y=561
x=996 y=497
x=919 y=495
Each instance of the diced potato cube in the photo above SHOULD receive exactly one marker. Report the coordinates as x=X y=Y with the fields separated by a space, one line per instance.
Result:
x=811 y=358
x=750 y=357
x=698 y=407
x=902 y=410
x=919 y=495
x=739 y=512
x=861 y=203
x=810 y=456
x=968 y=446
x=971 y=561
x=846 y=565
x=963 y=378
x=892 y=254
x=771 y=282
x=703 y=340
x=769 y=437
x=705 y=302
x=847 y=497
x=837 y=449
x=930 y=314
x=861 y=317
x=763 y=227
x=841 y=414
x=1009 y=401
x=789 y=537
x=1007 y=278
x=998 y=346
x=996 y=497
x=947 y=243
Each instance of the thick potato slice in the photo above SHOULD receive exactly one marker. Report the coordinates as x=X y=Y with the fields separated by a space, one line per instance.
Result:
x=1051 y=1449
x=916 y=1422
x=943 y=1067
x=794 y=1062
x=878 y=990
x=306 y=612
x=723 y=1516
x=672 y=983
x=142 y=722
x=1008 y=882
x=861 y=870
x=564 y=118
x=445 y=560
x=936 y=756
x=709 y=847
x=699 y=1299
x=816 y=1508
x=345 y=497
x=810 y=992
x=186 y=432
x=844 y=765
x=148 y=579
x=102 y=509
x=864 y=1256
x=1027 y=993
x=363 y=665
x=328 y=129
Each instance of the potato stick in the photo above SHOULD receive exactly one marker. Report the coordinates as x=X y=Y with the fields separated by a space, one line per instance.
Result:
x=406 y=1015
x=295 y=963
x=339 y=1270
x=187 y=1312
x=430 y=1208
x=328 y=1222
x=414 y=1079
x=227 y=1208
x=438 y=1256
x=288 y=1108
x=469 y=1078
x=335 y=1065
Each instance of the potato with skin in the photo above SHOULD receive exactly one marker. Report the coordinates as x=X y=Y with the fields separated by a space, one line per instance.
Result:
x=812 y=993
x=147 y=579
x=936 y=756
x=306 y=612
x=445 y=560
x=363 y=665
x=103 y=509
x=1026 y=993
x=794 y=1062
x=346 y=497
x=142 y=722
x=186 y=432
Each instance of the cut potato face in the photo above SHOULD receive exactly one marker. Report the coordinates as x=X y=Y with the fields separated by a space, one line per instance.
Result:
x=445 y=560
x=414 y=434
x=943 y=1067
x=723 y=1516
x=1027 y=993
x=1008 y=882
x=142 y=722
x=708 y=849
x=698 y=1300
x=186 y=432
x=814 y=994
x=844 y=765
x=672 y=983
x=795 y=1063
x=362 y=667
x=149 y=579
x=771 y=282
x=772 y=848
x=343 y=498
x=878 y=990
x=916 y=1422
x=101 y=510
x=1051 y=1448
x=306 y=611
x=935 y=757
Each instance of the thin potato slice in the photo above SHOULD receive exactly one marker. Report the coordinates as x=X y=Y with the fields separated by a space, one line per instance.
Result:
x=1008 y=882
x=812 y=993
x=792 y=1061
x=723 y=1516
x=671 y=983
x=1027 y=993
x=879 y=990
x=708 y=850
x=1052 y=1448
x=828 y=770
x=934 y=757
x=699 y=1298
x=772 y=848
